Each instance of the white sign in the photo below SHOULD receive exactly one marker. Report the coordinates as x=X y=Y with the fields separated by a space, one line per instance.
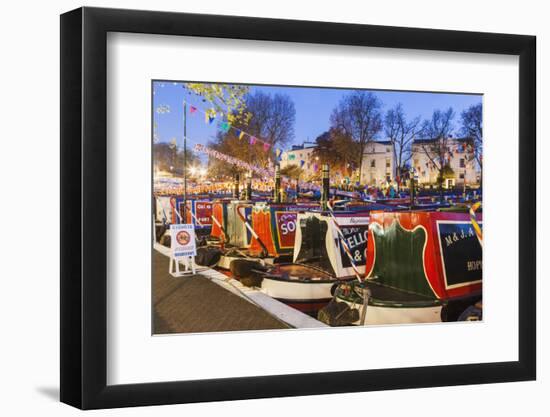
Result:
x=183 y=240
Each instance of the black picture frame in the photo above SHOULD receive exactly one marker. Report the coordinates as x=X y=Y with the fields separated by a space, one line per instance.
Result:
x=84 y=207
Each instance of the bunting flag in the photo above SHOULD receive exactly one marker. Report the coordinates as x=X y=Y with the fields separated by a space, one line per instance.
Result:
x=291 y=157
x=209 y=118
x=234 y=161
x=315 y=167
x=278 y=152
x=239 y=133
x=302 y=162
x=225 y=126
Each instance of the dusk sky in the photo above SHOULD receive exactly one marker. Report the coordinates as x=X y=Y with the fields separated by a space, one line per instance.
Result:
x=313 y=109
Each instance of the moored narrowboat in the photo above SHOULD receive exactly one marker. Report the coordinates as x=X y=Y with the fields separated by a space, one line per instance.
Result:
x=324 y=244
x=422 y=267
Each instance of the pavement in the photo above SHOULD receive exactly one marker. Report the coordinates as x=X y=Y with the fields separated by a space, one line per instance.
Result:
x=195 y=304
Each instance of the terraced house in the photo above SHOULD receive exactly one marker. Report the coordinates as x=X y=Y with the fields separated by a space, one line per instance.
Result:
x=457 y=154
x=378 y=163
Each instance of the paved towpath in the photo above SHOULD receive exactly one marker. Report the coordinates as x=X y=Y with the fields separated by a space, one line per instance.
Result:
x=195 y=304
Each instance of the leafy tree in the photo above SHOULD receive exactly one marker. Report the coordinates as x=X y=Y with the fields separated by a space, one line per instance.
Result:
x=358 y=116
x=168 y=157
x=401 y=134
x=226 y=99
x=338 y=150
x=447 y=172
x=292 y=171
x=472 y=127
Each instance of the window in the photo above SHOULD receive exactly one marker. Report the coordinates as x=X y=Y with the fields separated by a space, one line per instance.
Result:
x=462 y=163
x=461 y=176
x=373 y=163
x=388 y=163
x=388 y=150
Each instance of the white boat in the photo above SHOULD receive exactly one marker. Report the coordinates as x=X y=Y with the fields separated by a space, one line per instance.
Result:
x=319 y=259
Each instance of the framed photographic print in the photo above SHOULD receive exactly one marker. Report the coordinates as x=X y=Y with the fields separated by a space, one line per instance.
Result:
x=258 y=208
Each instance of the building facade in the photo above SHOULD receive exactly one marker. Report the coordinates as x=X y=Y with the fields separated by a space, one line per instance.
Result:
x=378 y=165
x=299 y=153
x=464 y=169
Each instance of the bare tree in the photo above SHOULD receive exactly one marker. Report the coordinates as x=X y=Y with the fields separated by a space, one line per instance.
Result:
x=401 y=134
x=271 y=120
x=358 y=116
x=472 y=127
x=436 y=134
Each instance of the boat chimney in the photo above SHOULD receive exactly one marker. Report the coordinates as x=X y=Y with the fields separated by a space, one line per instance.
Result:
x=326 y=186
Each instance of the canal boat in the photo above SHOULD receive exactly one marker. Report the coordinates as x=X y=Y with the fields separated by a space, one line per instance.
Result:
x=422 y=267
x=256 y=231
x=324 y=243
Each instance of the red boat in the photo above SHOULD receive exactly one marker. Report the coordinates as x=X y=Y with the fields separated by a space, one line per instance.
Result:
x=421 y=267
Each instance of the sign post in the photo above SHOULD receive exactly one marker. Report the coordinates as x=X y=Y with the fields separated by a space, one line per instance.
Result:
x=182 y=249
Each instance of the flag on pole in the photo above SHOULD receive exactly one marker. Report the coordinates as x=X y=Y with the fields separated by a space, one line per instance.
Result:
x=266 y=146
x=252 y=140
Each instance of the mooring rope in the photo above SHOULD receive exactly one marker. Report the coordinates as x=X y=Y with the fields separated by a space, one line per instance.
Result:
x=474 y=222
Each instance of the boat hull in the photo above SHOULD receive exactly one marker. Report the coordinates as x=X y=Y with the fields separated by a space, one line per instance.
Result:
x=225 y=261
x=297 y=291
x=381 y=315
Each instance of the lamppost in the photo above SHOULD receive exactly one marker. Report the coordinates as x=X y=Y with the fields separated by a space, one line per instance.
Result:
x=248 y=195
x=236 y=186
x=184 y=159
x=297 y=185
x=326 y=186
x=464 y=185
x=413 y=176
x=276 y=190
